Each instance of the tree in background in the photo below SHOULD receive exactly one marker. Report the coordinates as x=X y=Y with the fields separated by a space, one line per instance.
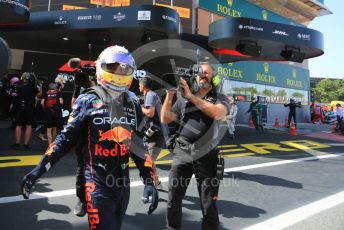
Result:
x=298 y=95
x=268 y=93
x=281 y=94
x=328 y=90
x=252 y=90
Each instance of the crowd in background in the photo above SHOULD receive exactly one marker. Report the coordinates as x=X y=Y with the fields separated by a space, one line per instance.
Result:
x=28 y=106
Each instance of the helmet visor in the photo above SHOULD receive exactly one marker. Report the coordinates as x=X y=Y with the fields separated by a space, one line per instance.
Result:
x=118 y=68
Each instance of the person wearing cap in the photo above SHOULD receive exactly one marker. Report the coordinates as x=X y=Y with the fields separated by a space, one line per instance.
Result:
x=256 y=111
x=292 y=110
x=155 y=132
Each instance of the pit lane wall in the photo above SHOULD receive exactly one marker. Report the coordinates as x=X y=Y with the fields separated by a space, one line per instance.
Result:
x=273 y=111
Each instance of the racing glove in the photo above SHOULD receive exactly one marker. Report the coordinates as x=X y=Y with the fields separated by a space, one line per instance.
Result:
x=29 y=180
x=148 y=191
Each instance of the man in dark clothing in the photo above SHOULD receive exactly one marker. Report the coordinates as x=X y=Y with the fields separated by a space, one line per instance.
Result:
x=256 y=111
x=25 y=107
x=292 y=110
x=195 y=151
x=108 y=120
x=155 y=132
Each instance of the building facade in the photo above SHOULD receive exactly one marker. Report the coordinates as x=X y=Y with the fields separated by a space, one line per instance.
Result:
x=276 y=81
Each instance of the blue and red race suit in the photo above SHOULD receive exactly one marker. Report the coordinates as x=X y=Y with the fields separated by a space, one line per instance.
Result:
x=111 y=133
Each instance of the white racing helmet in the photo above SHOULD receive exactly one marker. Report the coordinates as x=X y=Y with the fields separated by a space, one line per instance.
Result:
x=115 y=68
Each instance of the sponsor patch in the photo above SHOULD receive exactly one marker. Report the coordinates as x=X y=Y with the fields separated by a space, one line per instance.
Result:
x=97 y=103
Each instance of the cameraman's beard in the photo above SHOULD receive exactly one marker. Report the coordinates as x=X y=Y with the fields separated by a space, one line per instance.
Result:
x=205 y=85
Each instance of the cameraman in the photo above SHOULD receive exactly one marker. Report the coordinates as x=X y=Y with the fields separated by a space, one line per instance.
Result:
x=155 y=132
x=200 y=114
x=82 y=82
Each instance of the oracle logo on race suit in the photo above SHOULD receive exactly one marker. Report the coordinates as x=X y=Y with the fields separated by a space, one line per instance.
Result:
x=115 y=120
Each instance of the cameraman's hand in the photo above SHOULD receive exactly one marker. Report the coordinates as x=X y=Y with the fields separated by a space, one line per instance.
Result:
x=186 y=90
x=170 y=94
x=148 y=191
x=28 y=181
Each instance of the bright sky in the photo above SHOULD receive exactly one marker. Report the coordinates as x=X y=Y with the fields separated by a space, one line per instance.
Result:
x=331 y=64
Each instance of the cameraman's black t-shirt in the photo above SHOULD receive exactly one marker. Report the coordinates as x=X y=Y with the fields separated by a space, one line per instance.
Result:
x=195 y=124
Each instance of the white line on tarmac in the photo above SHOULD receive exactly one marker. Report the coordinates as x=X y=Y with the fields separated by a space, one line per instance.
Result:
x=297 y=215
x=335 y=144
x=283 y=162
x=11 y=199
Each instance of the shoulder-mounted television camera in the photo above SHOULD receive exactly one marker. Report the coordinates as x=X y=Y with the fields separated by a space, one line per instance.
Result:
x=172 y=80
x=83 y=73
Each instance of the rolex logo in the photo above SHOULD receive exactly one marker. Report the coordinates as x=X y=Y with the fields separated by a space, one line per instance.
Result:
x=294 y=73
x=230 y=2
x=265 y=15
x=266 y=67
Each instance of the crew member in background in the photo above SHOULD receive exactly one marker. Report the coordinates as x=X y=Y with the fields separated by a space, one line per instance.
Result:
x=292 y=110
x=256 y=113
x=12 y=93
x=52 y=103
x=155 y=132
x=195 y=151
x=318 y=113
x=339 y=115
x=231 y=118
x=25 y=108
x=107 y=119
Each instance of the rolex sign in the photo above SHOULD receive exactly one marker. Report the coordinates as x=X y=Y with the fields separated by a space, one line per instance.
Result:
x=14 y=11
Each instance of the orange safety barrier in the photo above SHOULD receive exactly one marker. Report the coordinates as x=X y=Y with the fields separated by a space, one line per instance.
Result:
x=286 y=123
x=277 y=123
x=334 y=128
x=293 y=131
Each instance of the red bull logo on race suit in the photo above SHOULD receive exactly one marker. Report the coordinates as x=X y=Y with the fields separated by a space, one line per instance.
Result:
x=117 y=135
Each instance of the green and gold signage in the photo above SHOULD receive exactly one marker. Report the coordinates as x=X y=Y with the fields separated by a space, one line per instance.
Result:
x=266 y=73
x=243 y=8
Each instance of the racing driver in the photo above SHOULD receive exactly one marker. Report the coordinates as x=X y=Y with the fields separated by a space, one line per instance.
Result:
x=109 y=121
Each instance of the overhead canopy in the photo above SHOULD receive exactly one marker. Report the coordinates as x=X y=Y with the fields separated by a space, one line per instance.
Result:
x=301 y=11
x=71 y=32
x=225 y=35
